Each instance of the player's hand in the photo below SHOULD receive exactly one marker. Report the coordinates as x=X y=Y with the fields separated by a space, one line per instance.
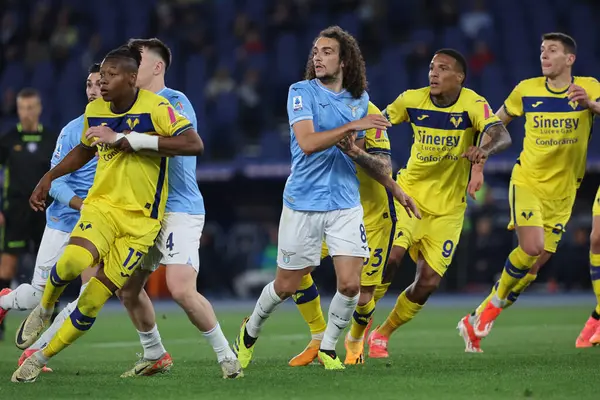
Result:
x=101 y=134
x=475 y=154
x=578 y=94
x=371 y=121
x=37 y=201
x=475 y=183
x=348 y=144
x=406 y=201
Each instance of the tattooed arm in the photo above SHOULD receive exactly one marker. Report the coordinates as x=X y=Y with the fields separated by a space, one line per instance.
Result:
x=496 y=139
x=379 y=167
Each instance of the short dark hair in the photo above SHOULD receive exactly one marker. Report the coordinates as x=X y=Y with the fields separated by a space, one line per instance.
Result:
x=457 y=55
x=567 y=41
x=94 y=68
x=127 y=51
x=155 y=45
x=27 y=93
x=355 y=75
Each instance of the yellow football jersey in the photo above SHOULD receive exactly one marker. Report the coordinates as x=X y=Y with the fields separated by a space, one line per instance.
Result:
x=133 y=181
x=436 y=176
x=378 y=205
x=557 y=133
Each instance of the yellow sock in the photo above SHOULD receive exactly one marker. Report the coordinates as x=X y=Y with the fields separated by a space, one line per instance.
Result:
x=381 y=290
x=403 y=311
x=91 y=301
x=308 y=300
x=70 y=265
x=595 y=275
x=517 y=265
x=520 y=288
x=360 y=319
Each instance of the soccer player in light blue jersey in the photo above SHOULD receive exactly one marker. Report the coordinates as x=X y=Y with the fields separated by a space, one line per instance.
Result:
x=321 y=199
x=68 y=193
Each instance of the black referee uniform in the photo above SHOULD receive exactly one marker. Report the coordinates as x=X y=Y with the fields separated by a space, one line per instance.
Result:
x=25 y=157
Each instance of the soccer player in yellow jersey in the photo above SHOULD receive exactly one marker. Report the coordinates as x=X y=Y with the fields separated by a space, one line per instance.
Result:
x=559 y=110
x=448 y=121
x=121 y=215
x=590 y=334
x=380 y=221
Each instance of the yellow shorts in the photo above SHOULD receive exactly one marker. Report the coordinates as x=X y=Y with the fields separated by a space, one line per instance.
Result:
x=528 y=209
x=380 y=240
x=596 y=208
x=434 y=236
x=121 y=237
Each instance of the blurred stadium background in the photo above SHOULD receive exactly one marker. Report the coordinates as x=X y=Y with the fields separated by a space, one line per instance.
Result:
x=235 y=60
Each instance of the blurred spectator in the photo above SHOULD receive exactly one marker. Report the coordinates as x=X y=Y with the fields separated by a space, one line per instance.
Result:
x=8 y=103
x=240 y=26
x=417 y=62
x=251 y=115
x=482 y=56
x=94 y=52
x=36 y=52
x=474 y=21
x=220 y=83
x=282 y=19
x=64 y=37
x=256 y=278
x=443 y=13
x=8 y=29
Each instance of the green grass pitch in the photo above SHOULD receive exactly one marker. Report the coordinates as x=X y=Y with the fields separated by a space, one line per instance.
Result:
x=530 y=354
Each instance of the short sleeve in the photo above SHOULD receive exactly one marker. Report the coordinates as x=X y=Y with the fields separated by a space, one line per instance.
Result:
x=595 y=90
x=377 y=140
x=300 y=104
x=481 y=114
x=167 y=121
x=63 y=147
x=514 y=103
x=85 y=142
x=365 y=106
x=396 y=112
x=183 y=106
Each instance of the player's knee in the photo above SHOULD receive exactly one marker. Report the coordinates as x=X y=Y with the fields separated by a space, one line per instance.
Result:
x=366 y=294
x=427 y=283
x=182 y=294
x=284 y=288
x=129 y=298
x=74 y=260
x=349 y=288
x=533 y=248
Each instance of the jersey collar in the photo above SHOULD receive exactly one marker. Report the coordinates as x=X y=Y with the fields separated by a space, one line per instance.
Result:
x=560 y=91
x=319 y=84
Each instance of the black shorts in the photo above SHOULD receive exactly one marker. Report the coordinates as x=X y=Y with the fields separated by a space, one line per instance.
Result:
x=23 y=228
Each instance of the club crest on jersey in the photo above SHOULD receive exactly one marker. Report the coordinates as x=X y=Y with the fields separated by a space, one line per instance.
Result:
x=297 y=103
x=573 y=104
x=131 y=123
x=456 y=121
x=353 y=109
x=32 y=147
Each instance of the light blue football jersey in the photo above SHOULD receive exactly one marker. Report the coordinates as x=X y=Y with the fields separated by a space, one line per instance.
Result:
x=184 y=194
x=326 y=180
x=59 y=215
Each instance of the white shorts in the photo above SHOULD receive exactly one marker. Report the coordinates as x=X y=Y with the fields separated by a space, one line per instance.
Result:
x=52 y=246
x=177 y=243
x=301 y=235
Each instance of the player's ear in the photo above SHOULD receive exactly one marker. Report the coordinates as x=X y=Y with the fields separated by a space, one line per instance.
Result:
x=133 y=79
x=159 y=67
x=571 y=59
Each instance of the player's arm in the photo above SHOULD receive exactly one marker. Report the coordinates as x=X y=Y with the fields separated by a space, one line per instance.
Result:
x=300 y=107
x=60 y=189
x=491 y=127
x=379 y=167
x=503 y=115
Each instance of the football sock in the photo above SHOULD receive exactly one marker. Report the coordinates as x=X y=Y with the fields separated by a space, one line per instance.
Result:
x=403 y=311
x=25 y=297
x=266 y=304
x=91 y=301
x=360 y=319
x=512 y=296
x=340 y=313
x=381 y=290
x=70 y=265
x=218 y=342
x=152 y=344
x=517 y=265
x=308 y=301
x=595 y=275
x=49 y=333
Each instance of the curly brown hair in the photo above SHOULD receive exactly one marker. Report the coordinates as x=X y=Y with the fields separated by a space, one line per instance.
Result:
x=355 y=74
